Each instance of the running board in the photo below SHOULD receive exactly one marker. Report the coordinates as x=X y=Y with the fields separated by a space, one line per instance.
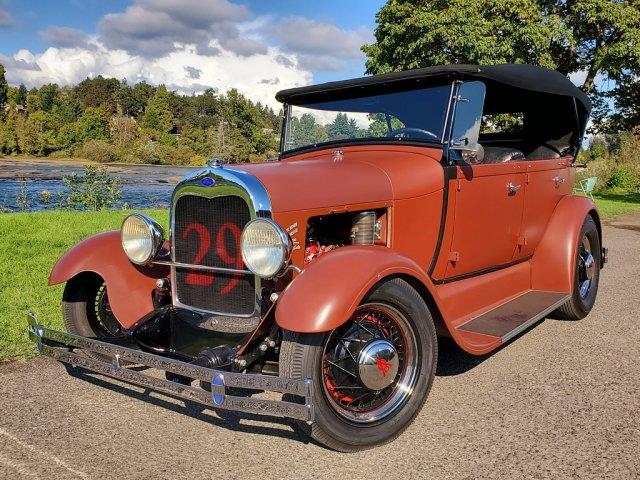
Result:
x=515 y=316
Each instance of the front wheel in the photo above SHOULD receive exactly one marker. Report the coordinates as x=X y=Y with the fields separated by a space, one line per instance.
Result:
x=371 y=375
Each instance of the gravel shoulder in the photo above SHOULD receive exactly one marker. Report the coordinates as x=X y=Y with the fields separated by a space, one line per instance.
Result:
x=561 y=401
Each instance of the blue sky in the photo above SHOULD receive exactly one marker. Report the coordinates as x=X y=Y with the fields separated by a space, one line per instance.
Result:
x=256 y=46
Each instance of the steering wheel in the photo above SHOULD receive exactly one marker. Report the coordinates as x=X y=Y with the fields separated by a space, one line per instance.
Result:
x=408 y=132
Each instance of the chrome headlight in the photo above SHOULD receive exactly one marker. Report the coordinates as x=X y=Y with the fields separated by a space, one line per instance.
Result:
x=141 y=238
x=265 y=247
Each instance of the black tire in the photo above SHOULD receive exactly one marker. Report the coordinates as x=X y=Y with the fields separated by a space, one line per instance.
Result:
x=579 y=305
x=86 y=311
x=301 y=356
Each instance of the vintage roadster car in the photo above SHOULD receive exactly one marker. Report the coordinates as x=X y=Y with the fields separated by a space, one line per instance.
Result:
x=438 y=203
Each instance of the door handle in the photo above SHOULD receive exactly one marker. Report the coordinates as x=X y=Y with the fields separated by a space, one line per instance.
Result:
x=558 y=180
x=513 y=188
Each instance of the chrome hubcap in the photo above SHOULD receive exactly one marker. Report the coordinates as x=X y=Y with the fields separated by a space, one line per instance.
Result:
x=378 y=364
x=586 y=267
x=370 y=364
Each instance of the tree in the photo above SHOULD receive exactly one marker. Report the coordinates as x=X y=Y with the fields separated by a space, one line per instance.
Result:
x=94 y=124
x=93 y=92
x=21 y=98
x=594 y=37
x=132 y=101
x=305 y=131
x=342 y=127
x=157 y=114
x=3 y=86
x=619 y=109
x=48 y=94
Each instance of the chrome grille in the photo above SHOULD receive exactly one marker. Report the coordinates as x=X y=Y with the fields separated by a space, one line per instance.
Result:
x=206 y=231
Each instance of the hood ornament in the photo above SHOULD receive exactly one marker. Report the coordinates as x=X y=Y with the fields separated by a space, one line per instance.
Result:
x=215 y=162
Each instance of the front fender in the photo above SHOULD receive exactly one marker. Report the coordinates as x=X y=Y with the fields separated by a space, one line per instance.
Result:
x=554 y=261
x=328 y=291
x=129 y=286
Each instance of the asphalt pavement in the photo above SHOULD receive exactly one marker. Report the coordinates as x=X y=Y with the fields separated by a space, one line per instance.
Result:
x=560 y=401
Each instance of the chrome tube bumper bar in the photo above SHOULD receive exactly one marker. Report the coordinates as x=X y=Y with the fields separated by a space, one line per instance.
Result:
x=61 y=346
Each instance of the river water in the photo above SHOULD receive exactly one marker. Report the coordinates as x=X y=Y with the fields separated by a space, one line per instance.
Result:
x=143 y=186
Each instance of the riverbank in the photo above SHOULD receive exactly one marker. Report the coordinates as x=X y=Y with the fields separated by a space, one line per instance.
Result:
x=32 y=168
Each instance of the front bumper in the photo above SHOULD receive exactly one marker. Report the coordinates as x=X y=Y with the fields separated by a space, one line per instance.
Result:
x=62 y=346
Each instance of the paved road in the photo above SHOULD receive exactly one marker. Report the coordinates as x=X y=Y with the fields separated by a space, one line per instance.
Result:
x=562 y=401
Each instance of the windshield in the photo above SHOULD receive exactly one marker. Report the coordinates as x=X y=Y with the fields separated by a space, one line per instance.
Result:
x=410 y=115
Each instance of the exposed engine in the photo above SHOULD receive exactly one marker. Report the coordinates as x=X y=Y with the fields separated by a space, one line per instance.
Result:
x=328 y=232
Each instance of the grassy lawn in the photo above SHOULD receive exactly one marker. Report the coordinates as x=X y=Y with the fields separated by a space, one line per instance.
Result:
x=30 y=243
x=612 y=204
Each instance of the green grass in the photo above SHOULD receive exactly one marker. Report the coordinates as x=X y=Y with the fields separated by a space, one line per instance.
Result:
x=611 y=204
x=30 y=244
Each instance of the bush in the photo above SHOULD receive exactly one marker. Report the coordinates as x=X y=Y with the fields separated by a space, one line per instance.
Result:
x=624 y=178
x=99 y=151
x=94 y=190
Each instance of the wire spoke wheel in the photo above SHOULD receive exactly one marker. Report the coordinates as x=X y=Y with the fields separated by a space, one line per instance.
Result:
x=369 y=365
x=100 y=316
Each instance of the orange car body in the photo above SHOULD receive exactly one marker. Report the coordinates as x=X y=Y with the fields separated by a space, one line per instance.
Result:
x=453 y=232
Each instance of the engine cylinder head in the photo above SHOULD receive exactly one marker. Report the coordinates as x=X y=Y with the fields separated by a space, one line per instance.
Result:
x=363 y=229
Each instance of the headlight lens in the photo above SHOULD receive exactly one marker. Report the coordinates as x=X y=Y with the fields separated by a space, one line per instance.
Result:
x=265 y=247
x=141 y=238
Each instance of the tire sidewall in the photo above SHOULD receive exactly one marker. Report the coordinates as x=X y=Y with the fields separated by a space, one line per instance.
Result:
x=590 y=230
x=381 y=431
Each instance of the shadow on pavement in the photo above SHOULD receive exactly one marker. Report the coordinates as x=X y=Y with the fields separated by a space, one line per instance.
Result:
x=218 y=418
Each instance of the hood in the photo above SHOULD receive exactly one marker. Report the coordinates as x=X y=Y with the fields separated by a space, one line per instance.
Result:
x=318 y=183
x=360 y=175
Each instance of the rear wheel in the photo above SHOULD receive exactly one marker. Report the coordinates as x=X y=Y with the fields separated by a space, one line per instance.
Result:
x=586 y=275
x=371 y=375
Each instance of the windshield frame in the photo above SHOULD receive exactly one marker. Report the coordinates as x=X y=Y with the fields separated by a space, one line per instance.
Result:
x=284 y=134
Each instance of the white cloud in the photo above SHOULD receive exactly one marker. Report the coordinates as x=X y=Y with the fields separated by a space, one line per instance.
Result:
x=68 y=66
x=190 y=46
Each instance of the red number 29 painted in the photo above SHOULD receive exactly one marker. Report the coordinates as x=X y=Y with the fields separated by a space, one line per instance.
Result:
x=230 y=259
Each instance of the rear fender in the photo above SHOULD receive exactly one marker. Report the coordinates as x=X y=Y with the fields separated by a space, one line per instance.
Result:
x=327 y=292
x=129 y=286
x=554 y=260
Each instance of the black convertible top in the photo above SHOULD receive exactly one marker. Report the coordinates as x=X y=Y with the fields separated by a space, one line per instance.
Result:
x=520 y=76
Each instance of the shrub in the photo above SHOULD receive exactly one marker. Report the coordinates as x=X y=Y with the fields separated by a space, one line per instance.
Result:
x=95 y=189
x=624 y=178
x=98 y=151
x=146 y=152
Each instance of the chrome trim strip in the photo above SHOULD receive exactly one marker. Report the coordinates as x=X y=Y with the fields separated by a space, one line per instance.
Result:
x=227 y=182
x=536 y=318
x=219 y=379
x=201 y=267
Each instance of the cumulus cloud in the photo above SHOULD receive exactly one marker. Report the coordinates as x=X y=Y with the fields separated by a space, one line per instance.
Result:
x=191 y=46
x=65 y=37
x=321 y=45
x=152 y=28
x=68 y=66
x=6 y=20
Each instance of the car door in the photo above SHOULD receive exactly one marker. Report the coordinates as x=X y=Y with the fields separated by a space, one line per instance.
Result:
x=489 y=198
x=547 y=181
